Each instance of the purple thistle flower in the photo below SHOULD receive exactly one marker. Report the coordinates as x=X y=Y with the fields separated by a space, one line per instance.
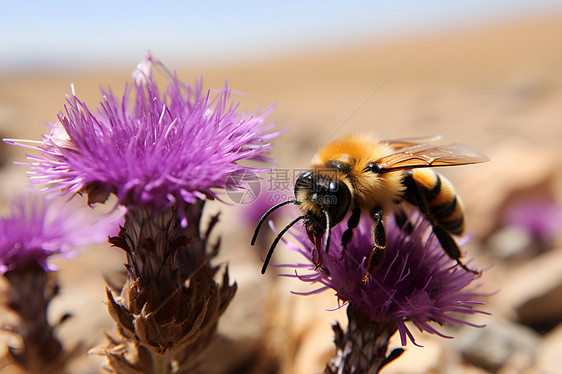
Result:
x=35 y=230
x=162 y=155
x=417 y=281
x=38 y=228
x=542 y=218
x=152 y=149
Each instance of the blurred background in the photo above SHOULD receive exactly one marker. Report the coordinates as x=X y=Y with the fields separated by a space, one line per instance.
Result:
x=484 y=73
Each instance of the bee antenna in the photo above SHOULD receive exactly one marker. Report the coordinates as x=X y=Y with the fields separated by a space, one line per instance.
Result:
x=262 y=219
x=274 y=244
x=328 y=231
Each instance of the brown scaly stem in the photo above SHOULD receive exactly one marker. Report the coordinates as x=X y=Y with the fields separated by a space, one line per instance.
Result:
x=168 y=309
x=30 y=291
x=363 y=347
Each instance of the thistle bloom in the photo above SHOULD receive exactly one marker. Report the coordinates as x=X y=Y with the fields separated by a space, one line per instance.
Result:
x=162 y=155
x=35 y=230
x=542 y=218
x=152 y=149
x=417 y=282
x=38 y=228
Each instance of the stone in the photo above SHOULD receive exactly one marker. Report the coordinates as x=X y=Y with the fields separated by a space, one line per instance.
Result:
x=497 y=344
x=509 y=242
x=549 y=359
x=532 y=293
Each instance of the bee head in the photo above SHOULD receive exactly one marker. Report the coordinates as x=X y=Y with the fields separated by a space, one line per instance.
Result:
x=322 y=198
x=324 y=201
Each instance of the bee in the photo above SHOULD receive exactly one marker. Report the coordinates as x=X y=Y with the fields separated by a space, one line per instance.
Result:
x=358 y=173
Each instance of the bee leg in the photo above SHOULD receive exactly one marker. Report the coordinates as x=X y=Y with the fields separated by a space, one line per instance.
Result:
x=450 y=246
x=379 y=239
x=419 y=199
x=348 y=233
x=447 y=242
x=402 y=221
x=379 y=236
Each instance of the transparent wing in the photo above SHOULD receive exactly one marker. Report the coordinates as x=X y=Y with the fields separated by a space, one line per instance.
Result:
x=426 y=155
x=410 y=142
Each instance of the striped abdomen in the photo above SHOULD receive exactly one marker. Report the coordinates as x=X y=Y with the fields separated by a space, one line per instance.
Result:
x=445 y=207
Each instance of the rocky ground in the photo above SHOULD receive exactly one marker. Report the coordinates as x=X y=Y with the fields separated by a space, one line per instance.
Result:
x=498 y=88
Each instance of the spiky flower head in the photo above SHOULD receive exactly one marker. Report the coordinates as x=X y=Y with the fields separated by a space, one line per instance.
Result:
x=417 y=281
x=37 y=228
x=152 y=149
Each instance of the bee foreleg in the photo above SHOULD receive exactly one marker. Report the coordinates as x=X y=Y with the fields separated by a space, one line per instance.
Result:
x=379 y=236
x=379 y=239
x=348 y=233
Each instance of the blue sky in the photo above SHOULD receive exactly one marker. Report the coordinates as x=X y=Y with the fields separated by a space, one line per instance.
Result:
x=71 y=34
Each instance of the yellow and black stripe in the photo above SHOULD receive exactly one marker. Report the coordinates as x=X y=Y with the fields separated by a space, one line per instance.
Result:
x=444 y=206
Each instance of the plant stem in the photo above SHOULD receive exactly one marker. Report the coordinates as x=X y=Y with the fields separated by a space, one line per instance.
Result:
x=31 y=289
x=362 y=348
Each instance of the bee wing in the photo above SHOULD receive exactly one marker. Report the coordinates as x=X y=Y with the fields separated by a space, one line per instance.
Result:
x=426 y=155
x=410 y=142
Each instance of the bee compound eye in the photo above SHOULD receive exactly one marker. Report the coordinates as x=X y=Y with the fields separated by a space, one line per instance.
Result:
x=340 y=197
x=304 y=181
x=304 y=178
